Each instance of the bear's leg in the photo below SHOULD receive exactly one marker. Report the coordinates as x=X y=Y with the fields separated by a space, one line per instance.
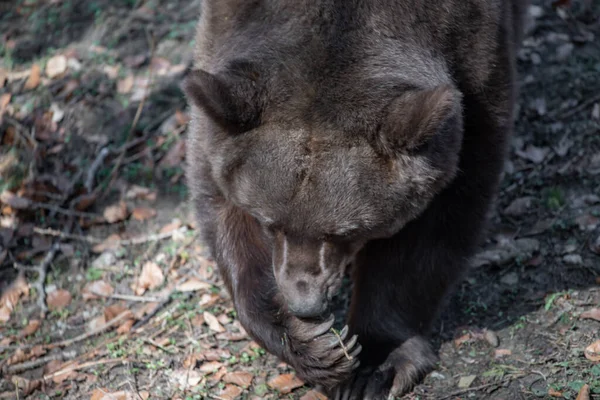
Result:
x=243 y=255
x=401 y=282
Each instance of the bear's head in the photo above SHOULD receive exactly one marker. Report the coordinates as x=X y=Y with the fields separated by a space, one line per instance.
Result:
x=327 y=150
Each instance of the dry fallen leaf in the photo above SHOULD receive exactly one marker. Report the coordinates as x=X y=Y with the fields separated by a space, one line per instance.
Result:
x=140 y=193
x=143 y=213
x=14 y=201
x=175 y=155
x=584 y=393
x=466 y=381
x=193 y=285
x=96 y=289
x=534 y=154
x=110 y=243
x=170 y=227
x=594 y=313
x=3 y=77
x=116 y=212
x=230 y=392
x=213 y=322
x=240 y=378
x=192 y=360
x=11 y=296
x=285 y=383
x=554 y=393
x=313 y=395
x=499 y=353
x=27 y=386
x=96 y=323
x=125 y=327
x=56 y=66
x=210 y=367
x=592 y=352
x=114 y=310
x=4 y=101
x=125 y=85
x=58 y=299
x=104 y=394
x=31 y=328
x=150 y=278
x=34 y=77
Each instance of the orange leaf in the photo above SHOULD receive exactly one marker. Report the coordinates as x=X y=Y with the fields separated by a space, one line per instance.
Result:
x=592 y=352
x=192 y=285
x=31 y=328
x=210 y=367
x=143 y=213
x=499 y=353
x=240 y=378
x=230 y=392
x=313 y=395
x=34 y=77
x=213 y=322
x=115 y=213
x=95 y=289
x=584 y=393
x=125 y=85
x=594 y=313
x=56 y=66
x=58 y=299
x=285 y=383
x=110 y=243
x=150 y=278
x=114 y=310
x=125 y=327
x=11 y=296
x=176 y=224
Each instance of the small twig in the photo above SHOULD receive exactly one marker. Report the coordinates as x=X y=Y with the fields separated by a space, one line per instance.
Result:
x=132 y=298
x=344 y=348
x=91 y=174
x=471 y=389
x=17 y=368
x=42 y=270
x=122 y=242
x=83 y=366
x=572 y=111
x=59 y=210
x=112 y=322
x=159 y=346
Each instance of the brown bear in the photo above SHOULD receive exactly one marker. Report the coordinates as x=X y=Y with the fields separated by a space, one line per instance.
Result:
x=361 y=133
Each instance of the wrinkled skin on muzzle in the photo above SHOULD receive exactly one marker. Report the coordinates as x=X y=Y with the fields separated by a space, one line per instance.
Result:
x=309 y=272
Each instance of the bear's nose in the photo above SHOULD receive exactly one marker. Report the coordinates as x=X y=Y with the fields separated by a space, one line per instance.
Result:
x=306 y=303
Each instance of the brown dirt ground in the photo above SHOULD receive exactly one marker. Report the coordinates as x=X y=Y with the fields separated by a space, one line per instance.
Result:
x=514 y=329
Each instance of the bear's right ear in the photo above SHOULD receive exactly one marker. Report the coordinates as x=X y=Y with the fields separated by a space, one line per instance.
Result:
x=231 y=101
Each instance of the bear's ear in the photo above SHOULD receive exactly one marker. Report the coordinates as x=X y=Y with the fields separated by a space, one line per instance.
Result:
x=417 y=115
x=229 y=99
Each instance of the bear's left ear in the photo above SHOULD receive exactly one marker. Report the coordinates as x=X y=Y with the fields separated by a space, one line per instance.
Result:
x=231 y=100
x=417 y=115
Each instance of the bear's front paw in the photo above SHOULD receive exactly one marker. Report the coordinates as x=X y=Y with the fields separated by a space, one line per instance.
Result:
x=403 y=368
x=320 y=355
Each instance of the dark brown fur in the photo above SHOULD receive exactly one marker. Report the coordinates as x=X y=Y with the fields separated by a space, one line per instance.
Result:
x=328 y=132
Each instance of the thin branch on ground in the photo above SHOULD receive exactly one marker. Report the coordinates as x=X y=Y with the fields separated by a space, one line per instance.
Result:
x=119 y=318
x=580 y=107
x=63 y=356
x=91 y=174
x=83 y=366
x=122 y=242
x=42 y=270
x=59 y=210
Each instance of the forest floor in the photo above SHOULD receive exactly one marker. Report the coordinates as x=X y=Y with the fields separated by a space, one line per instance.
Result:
x=93 y=205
